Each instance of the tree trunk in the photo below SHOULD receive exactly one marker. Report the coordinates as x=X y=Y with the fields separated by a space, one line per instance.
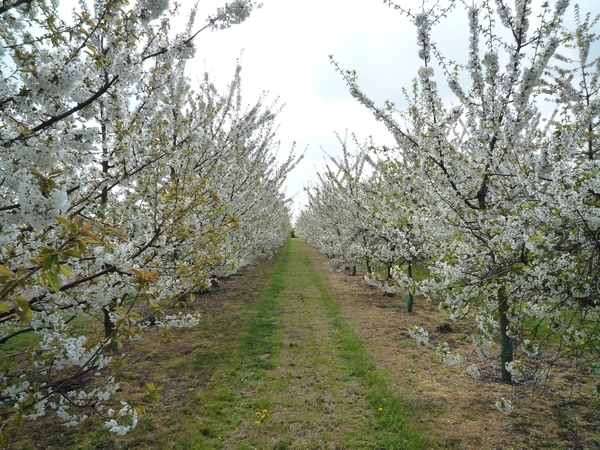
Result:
x=410 y=299
x=109 y=329
x=506 y=346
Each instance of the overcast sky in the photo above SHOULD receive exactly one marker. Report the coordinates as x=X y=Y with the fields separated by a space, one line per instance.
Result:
x=285 y=48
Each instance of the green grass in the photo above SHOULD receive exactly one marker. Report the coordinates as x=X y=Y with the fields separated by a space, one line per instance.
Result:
x=396 y=420
x=288 y=351
x=276 y=363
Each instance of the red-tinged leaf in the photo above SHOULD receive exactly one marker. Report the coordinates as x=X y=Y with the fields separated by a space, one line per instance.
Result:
x=23 y=271
x=152 y=276
x=85 y=230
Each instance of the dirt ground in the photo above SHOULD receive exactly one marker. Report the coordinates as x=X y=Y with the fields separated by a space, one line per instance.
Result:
x=462 y=407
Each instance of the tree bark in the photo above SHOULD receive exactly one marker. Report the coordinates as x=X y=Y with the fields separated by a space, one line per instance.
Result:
x=506 y=346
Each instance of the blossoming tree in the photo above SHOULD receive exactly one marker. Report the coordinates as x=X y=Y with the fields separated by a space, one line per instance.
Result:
x=122 y=192
x=507 y=191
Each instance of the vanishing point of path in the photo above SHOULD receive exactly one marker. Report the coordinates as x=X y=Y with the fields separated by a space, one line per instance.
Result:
x=293 y=374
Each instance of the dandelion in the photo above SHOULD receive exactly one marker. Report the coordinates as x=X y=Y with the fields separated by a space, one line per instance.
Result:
x=380 y=409
x=257 y=422
x=190 y=389
x=262 y=417
x=582 y=343
x=237 y=430
x=257 y=413
x=265 y=411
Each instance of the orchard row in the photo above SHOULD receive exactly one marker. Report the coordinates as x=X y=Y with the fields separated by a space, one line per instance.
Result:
x=123 y=191
x=492 y=198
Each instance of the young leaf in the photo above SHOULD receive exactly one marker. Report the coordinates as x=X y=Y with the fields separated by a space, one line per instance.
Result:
x=49 y=261
x=6 y=271
x=66 y=272
x=54 y=281
x=23 y=310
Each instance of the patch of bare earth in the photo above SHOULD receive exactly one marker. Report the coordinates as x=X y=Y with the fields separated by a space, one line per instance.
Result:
x=460 y=407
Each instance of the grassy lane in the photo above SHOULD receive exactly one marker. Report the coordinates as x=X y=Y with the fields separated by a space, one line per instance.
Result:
x=296 y=376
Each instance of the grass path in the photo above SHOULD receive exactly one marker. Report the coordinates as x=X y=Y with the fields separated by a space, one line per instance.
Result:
x=296 y=376
x=289 y=354
x=275 y=364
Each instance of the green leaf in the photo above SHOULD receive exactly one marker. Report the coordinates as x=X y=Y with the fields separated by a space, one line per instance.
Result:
x=72 y=253
x=54 y=281
x=4 y=308
x=49 y=261
x=36 y=173
x=66 y=272
x=62 y=220
x=23 y=310
x=6 y=271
